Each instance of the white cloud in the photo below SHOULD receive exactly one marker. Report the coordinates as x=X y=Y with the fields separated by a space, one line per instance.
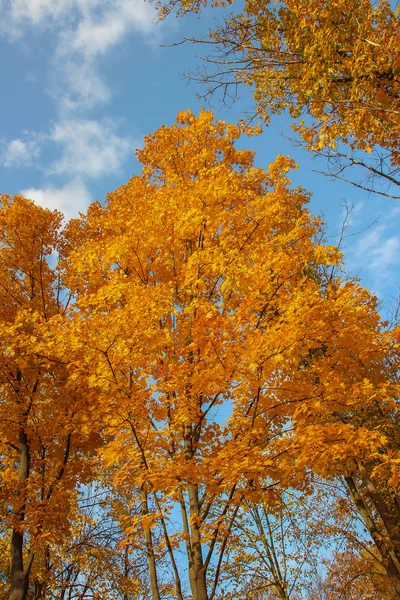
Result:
x=19 y=153
x=66 y=13
x=373 y=255
x=100 y=27
x=84 y=30
x=37 y=11
x=84 y=87
x=88 y=148
x=71 y=199
x=380 y=250
x=84 y=147
x=80 y=33
x=17 y=15
x=97 y=33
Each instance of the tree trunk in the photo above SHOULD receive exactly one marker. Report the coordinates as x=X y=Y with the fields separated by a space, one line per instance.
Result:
x=19 y=576
x=199 y=570
x=278 y=583
x=196 y=564
x=388 y=561
x=384 y=512
x=19 y=584
x=151 y=560
x=178 y=586
x=189 y=554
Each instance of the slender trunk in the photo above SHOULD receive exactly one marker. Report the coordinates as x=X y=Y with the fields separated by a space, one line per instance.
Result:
x=151 y=560
x=380 y=506
x=198 y=579
x=189 y=554
x=19 y=575
x=19 y=578
x=387 y=560
x=198 y=565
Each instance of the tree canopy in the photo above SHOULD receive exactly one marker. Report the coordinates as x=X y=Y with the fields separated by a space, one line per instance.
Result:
x=194 y=354
x=333 y=66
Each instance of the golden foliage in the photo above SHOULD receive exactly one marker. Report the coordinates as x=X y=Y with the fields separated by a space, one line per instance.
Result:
x=195 y=337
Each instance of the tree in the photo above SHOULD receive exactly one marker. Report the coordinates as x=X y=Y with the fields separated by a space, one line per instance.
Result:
x=43 y=446
x=92 y=561
x=217 y=349
x=355 y=392
x=205 y=244
x=333 y=65
x=194 y=352
x=353 y=575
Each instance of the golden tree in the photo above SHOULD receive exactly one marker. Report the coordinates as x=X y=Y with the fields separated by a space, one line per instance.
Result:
x=42 y=442
x=332 y=64
x=216 y=351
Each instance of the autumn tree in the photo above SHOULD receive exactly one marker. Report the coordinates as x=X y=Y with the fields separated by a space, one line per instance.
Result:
x=218 y=350
x=205 y=244
x=352 y=575
x=42 y=448
x=332 y=65
x=280 y=539
x=194 y=352
x=355 y=392
x=91 y=561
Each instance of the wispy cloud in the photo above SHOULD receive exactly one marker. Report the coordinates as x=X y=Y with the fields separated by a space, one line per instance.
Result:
x=88 y=148
x=379 y=248
x=17 y=14
x=83 y=147
x=100 y=29
x=83 y=30
x=70 y=199
x=18 y=152
x=374 y=252
x=76 y=14
x=79 y=87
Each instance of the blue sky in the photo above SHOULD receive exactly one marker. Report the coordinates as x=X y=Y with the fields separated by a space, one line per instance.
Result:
x=84 y=80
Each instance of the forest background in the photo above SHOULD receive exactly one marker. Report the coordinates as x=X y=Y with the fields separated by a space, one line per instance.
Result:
x=72 y=132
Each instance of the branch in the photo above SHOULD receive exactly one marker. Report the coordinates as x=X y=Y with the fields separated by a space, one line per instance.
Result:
x=358 y=185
